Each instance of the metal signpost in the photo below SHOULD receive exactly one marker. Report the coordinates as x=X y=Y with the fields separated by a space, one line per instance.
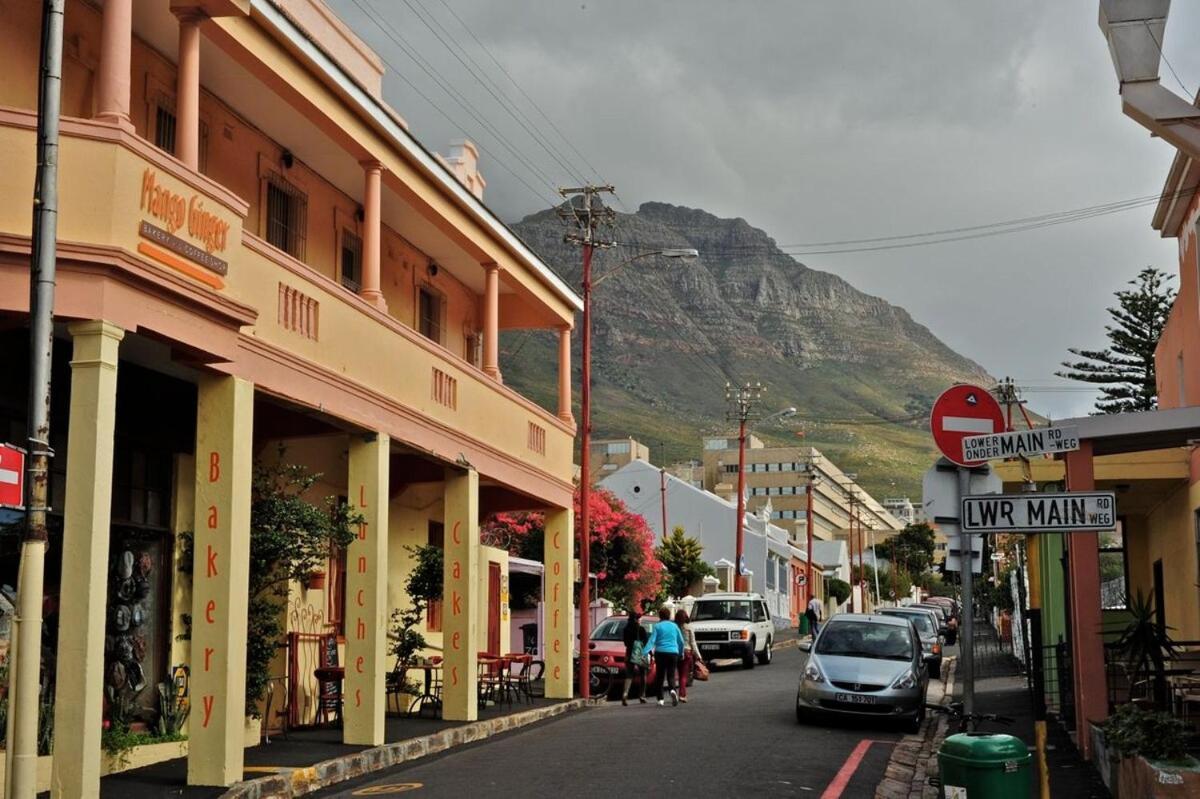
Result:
x=962 y=411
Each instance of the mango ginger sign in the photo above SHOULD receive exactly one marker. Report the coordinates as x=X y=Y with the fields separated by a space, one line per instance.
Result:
x=173 y=212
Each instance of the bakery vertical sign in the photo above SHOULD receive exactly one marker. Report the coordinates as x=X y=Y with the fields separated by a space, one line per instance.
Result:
x=180 y=232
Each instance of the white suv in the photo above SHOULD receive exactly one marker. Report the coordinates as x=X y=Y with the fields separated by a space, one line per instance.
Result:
x=732 y=625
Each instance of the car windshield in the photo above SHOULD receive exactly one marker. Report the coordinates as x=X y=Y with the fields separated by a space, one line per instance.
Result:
x=924 y=623
x=721 y=610
x=614 y=629
x=876 y=641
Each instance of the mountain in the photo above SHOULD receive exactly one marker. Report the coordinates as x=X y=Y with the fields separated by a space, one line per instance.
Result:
x=668 y=334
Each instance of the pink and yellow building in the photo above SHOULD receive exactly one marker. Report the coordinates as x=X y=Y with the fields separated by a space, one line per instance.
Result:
x=254 y=250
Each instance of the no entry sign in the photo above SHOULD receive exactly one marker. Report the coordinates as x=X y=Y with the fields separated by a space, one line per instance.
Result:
x=12 y=477
x=960 y=412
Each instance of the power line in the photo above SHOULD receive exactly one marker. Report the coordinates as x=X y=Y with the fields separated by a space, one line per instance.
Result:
x=387 y=30
x=490 y=86
x=1163 y=56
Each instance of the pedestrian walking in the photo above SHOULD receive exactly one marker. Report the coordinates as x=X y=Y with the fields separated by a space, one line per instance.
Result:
x=691 y=652
x=666 y=645
x=636 y=659
x=815 y=614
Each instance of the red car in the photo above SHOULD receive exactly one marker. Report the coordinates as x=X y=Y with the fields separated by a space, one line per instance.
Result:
x=607 y=646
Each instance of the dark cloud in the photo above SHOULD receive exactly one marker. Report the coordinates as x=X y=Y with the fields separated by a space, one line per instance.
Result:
x=833 y=120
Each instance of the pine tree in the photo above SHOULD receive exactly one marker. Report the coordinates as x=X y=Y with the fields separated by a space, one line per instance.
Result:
x=1125 y=369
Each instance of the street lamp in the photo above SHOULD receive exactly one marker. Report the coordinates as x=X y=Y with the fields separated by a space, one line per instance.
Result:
x=739 y=520
x=585 y=454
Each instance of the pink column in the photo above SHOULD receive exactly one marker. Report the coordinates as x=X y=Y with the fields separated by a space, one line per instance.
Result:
x=372 y=220
x=1087 y=644
x=491 y=321
x=187 y=101
x=116 y=44
x=564 y=375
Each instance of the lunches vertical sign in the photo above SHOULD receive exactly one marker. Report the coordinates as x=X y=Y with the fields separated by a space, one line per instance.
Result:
x=170 y=213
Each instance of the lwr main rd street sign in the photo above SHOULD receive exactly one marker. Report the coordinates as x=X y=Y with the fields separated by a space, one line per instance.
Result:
x=1076 y=511
x=1025 y=442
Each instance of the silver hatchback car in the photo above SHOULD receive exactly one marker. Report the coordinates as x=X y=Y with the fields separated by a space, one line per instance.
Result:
x=864 y=666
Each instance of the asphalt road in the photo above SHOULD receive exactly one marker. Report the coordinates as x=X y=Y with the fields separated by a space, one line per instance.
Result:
x=737 y=736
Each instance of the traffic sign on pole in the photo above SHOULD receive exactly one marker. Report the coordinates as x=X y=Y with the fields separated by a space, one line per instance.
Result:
x=962 y=411
x=1073 y=511
x=12 y=477
x=1038 y=441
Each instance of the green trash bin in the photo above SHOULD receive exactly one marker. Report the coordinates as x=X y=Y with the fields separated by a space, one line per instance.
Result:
x=982 y=765
x=803 y=625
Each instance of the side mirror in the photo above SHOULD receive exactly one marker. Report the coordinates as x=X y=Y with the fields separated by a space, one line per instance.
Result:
x=806 y=646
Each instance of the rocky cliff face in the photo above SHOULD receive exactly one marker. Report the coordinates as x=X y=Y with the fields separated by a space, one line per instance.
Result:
x=668 y=334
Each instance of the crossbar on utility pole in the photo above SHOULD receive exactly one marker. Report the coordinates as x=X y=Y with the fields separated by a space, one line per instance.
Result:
x=26 y=654
x=588 y=218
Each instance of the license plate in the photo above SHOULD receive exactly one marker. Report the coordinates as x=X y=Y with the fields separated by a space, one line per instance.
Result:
x=855 y=699
x=605 y=670
x=710 y=646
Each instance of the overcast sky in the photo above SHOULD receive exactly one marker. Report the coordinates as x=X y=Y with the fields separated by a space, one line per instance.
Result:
x=832 y=120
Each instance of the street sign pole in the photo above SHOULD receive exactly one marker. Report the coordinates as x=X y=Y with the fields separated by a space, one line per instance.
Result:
x=966 y=645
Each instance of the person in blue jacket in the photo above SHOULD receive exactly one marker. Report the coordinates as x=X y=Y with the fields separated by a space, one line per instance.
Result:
x=666 y=644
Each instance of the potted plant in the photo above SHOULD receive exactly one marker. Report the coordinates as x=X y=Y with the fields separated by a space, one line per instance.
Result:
x=1147 y=747
x=315 y=580
x=1146 y=646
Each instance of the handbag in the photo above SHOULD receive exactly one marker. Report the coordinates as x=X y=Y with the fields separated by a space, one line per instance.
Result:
x=700 y=671
x=637 y=655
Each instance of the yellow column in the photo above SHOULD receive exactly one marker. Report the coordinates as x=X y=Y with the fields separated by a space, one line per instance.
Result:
x=558 y=606
x=459 y=625
x=87 y=512
x=366 y=593
x=224 y=423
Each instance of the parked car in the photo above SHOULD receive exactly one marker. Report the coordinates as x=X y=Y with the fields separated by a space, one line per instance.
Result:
x=942 y=614
x=733 y=625
x=926 y=622
x=866 y=666
x=607 y=645
x=949 y=604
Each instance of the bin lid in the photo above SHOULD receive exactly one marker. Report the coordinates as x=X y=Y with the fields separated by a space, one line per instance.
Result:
x=985 y=748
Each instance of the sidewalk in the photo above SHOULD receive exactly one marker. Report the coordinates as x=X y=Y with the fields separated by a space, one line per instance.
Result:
x=1002 y=688
x=318 y=755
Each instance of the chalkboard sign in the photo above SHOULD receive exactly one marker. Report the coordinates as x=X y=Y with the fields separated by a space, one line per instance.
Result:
x=331 y=690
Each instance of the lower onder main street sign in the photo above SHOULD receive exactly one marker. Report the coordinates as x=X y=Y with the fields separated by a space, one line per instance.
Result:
x=1075 y=511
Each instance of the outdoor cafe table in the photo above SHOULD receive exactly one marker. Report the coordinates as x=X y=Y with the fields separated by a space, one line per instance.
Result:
x=428 y=695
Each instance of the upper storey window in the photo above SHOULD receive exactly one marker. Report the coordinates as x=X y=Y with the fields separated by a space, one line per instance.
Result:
x=351 y=260
x=430 y=314
x=287 y=216
x=164 y=128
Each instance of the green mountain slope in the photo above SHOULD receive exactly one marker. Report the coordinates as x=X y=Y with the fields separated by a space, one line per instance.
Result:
x=668 y=335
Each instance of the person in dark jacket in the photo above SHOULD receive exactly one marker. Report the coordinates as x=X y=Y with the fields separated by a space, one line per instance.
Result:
x=634 y=631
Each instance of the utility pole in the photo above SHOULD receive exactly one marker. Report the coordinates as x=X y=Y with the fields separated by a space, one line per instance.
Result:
x=26 y=651
x=588 y=217
x=808 y=528
x=742 y=408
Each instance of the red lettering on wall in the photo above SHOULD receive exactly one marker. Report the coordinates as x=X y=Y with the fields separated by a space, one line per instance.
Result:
x=456 y=641
x=214 y=467
x=208 y=706
x=208 y=653
x=361 y=630
x=558 y=672
x=557 y=568
x=359 y=599
x=212 y=561
x=358 y=697
x=208 y=611
x=556 y=612
x=358 y=664
x=454 y=536
x=362 y=495
x=362 y=531
x=212 y=517
x=556 y=587
x=557 y=543
x=455 y=603
x=362 y=564
x=456 y=569
x=557 y=646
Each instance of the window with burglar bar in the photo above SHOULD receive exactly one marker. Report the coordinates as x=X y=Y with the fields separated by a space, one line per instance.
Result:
x=287 y=216
x=351 y=260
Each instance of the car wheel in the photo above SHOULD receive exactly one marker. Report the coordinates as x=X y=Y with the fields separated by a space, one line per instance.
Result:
x=748 y=658
x=765 y=658
x=914 y=724
x=801 y=716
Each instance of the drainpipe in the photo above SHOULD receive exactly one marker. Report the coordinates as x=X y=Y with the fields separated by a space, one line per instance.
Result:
x=1134 y=30
x=25 y=677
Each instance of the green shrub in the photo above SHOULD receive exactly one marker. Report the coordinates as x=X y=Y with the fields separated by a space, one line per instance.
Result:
x=1155 y=735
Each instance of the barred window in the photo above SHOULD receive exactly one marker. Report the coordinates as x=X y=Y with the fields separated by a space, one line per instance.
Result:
x=164 y=127
x=287 y=216
x=351 y=261
x=430 y=315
